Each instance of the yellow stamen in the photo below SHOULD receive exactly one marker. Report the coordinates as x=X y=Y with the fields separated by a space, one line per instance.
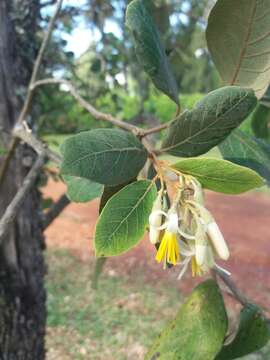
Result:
x=169 y=249
x=195 y=268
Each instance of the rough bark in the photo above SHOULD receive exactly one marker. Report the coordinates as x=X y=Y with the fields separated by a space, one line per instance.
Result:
x=22 y=294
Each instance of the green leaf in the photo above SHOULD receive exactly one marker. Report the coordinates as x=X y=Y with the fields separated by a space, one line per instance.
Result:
x=260 y=122
x=198 y=330
x=265 y=100
x=105 y=156
x=210 y=122
x=238 y=38
x=149 y=49
x=253 y=334
x=81 y=190
x=124 y=218
x=108 y=192
x=220 y=175
x=247 y=151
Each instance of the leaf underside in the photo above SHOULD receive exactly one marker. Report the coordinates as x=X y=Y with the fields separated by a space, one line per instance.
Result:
x=253 y=334
x=244 y=150
x=149 y=49
x=82 y=190
x=238 y=38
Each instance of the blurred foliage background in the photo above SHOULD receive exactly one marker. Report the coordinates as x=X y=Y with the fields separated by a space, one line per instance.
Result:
x=107 y=73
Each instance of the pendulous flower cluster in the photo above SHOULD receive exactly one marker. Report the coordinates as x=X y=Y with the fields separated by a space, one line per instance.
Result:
x=185 y=233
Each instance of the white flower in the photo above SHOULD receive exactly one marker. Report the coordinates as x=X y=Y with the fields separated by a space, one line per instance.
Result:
x=155 y=219
x=218 y=241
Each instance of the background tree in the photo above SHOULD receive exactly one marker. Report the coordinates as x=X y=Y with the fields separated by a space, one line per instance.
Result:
x=22 y=294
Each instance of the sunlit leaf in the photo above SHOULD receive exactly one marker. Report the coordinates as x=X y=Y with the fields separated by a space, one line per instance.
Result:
x=124 y=218
x=238 y=37
x=108 y=192
x=220 y=175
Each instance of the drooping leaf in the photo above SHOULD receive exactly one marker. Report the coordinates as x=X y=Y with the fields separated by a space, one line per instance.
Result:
x=82 y=190
x=210 y=122
x=238 y=37
x=261 y=122
x=198 y=330
x=253 y=334
x=105 y=156
x=247 y=151
x=124 y=218
x=220 y=175
x=149 y=49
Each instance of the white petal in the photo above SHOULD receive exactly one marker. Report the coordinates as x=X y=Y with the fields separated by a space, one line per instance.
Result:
x=172 y=225
x=218 y=241
x=153 y=235
x=185 y=235
x=184 y=269
x=201 y=253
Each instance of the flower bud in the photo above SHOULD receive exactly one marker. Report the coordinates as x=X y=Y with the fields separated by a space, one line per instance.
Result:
x=155 y=220
x=200 y=245
x=218 y=241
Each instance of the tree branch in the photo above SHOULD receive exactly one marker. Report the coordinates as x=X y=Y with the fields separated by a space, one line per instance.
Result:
x=21 y=132
x=98 y=115
x=55 y=210
x=156 y=129
x=237 y=294
x=37 y=64
x=14 y=206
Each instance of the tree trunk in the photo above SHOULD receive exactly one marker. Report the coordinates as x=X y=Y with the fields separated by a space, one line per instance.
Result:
x=22 y=294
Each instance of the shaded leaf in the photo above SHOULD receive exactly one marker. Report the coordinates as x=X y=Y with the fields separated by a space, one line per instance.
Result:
x=247 y=151
x=210 y=122
x=238 y=37
x=253 y=334
x=81 y=190
x=265 y=100
x=149 y=49
x=261 y=121
x=198 y=330
x=105 y=156
x=124 y=218
x=220 y=175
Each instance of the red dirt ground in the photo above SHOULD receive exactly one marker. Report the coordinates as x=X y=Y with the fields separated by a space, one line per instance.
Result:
x=244 y=220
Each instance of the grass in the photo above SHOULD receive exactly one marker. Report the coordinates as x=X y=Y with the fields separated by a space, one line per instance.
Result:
x=119 y=321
